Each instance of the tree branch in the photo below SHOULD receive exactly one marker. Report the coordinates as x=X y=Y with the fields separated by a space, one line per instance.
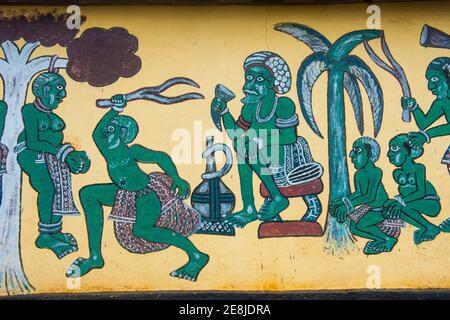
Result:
x=11 y=51
x=42 y=63
x=27 y=50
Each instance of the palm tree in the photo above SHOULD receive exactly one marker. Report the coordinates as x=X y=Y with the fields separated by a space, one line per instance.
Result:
x=344 y=71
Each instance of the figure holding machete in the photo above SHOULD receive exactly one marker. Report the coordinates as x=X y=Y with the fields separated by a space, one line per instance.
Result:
x=148 y=211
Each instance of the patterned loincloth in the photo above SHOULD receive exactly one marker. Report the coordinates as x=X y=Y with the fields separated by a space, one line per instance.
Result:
x=297 y=167
x=63 y=203
x=176 y=215
x=3 y=158
x=391 y=227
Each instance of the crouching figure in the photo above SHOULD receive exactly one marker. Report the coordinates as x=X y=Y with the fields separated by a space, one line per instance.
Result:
x=364 y=207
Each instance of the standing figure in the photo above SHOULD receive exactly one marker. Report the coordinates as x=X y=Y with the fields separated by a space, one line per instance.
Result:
x=147 y=216
x=438 y=76
x=417 y=196
x=266 y=142
x=49 y=162
x=364 y=206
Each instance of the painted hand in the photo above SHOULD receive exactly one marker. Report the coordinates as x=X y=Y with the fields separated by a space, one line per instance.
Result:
x=182 y=188
x=78 y=162
x=119 y=100
x=394 y=210
x=218 y=105
x=408 y=103
x=341 y=214
x=417 y=139
x=334 y=205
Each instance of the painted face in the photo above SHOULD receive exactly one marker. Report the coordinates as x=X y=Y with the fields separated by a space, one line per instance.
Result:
x=398 y=153
x=359 y=155
x=53 y=93
x=437 y=83
x=258 y=82
x=114 y=133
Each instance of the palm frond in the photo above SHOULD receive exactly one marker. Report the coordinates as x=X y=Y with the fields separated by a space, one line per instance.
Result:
x=312 y=38
x=310 y=70
x=354 y=93
x=345 y=44
x=363 y=73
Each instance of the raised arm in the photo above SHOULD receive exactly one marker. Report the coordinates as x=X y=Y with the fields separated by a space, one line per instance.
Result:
x=144 y=155
x=31 y=129
x=234 y=129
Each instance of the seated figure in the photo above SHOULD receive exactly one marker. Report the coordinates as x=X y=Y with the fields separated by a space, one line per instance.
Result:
x=265 y=139
x=364 y=207
x=148 y=211
x=418 y=197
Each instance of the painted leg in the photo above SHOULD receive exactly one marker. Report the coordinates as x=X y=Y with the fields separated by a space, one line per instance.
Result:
x=274 y=205
x=93 y=198
x=413 y=214
x=382 y=242
x=314 y=208
x=148 y=213
x=248 y=212
x=49 y=225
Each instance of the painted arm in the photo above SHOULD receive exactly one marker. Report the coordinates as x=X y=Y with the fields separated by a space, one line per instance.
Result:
x=421 y=184
x=371 y=194
x=234 y=129
x=144 y=155
x=99 y=140
x=31 y=133
x=423 y=120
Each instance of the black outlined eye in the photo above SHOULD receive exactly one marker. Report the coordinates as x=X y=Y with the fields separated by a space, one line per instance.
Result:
x=60 y=87
x=395 y=148
x=249 y=77
x=260 y=79
x=111 y=128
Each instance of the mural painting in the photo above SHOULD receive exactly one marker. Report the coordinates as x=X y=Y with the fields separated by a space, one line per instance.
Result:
x=279 y=154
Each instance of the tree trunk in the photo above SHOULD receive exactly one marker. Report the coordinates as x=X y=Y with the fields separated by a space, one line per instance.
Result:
x=12 y=277
x=338 y=237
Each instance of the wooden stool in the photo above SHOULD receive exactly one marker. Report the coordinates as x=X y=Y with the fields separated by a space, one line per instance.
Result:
x=292 y=228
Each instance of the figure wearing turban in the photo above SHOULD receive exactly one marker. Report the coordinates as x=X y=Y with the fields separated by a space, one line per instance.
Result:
x=265 y=139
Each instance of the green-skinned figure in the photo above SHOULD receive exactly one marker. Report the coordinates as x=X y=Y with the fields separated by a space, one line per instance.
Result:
x=364 y=207
x=49 y=162
x=135 y=198
x=264 y=137
x=438 y=76
x=417 y=196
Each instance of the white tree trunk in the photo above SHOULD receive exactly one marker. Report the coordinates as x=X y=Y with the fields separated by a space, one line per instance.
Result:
x=17 y=72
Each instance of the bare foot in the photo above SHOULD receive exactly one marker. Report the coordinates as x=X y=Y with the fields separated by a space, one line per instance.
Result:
x=191 y=270
x=66 y=237
x=241 y=218
x=272 y=207
x=422 y=235
x=370 y=247
x=386 y=246
x=59 y=248
x=81 y=266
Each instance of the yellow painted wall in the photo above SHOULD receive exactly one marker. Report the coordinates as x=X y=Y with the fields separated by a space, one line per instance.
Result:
x=209 y=45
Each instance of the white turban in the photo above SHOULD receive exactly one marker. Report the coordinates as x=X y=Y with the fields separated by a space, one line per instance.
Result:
x=277 y=67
